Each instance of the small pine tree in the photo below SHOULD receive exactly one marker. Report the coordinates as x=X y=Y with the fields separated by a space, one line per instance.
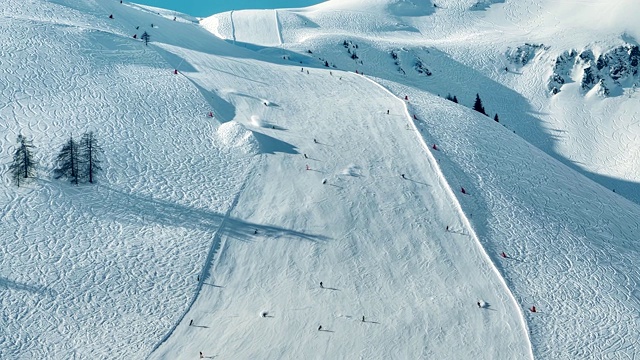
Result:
x=455 y=99
x=477 y=106
x=452 y=98
x=495 y=118
x=91 y=153
x=68 y=162
x=145 y=37
x=23 y=165
x=326 y=63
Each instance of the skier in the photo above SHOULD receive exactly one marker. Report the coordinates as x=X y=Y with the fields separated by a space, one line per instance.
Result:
x=301 y=69
x=503 y=255
x=305 y=156
x=414 y=117
x=330 y=73
x=435 y=147
x=447 y=228
x=479 y=305
x=201 y=355
x=315 y=141
x=135 y=36
x=307 y=72
x=533 y=309
x=319 y=327
x=175 y=72
x=387 y=111
x=406 y=97
x=111 y=16
x=362 y=318
x=403 y=176
x=210 y=114
x=321 y=284
x=324 y=181
x=191 y=322
x=308 y=167
x=463 y=190
x=255 y=231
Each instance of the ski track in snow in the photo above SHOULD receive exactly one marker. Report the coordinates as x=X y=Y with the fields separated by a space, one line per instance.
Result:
x=566 y=238
x=109 y=270
x=226 y=321
x=101 y=265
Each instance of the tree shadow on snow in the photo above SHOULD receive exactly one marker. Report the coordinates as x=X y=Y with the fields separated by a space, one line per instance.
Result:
x=132 y=208
x=10 y=284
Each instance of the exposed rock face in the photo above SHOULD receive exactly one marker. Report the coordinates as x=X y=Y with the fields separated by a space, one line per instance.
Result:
x=420 y=67
x=562 y=70
x=611 y=72
x=521 y=55
x=484 y=4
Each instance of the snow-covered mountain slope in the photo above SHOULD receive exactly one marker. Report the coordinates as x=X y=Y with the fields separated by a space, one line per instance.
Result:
x=590 y=131
x=94 y=271
x=213 y=234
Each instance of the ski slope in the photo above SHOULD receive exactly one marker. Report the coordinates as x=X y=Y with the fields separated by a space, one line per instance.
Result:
x=213 y=234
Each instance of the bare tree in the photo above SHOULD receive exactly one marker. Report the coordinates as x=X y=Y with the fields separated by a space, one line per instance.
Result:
x=91 y=154
x=145 y=37
x=68 y=162
x=23 y=165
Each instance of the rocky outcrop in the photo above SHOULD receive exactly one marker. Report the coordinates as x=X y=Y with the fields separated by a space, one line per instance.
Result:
x=610 y=73
x=521 y=55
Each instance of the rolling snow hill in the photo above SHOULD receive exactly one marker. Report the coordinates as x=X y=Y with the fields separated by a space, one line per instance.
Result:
x=212 y=234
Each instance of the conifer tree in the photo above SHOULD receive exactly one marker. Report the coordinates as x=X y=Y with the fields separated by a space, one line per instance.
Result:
x=496 y=118
x=69 y=162
x=477 y=106
x=23 y=165
x=145 y=37
x=91 y=154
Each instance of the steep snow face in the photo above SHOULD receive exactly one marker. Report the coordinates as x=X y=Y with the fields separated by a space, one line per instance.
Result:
x=238 y=138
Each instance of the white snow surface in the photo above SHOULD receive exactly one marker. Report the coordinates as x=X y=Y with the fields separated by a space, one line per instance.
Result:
x=227 y=221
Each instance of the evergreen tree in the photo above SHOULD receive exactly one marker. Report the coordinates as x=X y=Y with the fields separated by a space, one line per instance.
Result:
x=91 y=153
x=23 y=165
x=455 y=99
x=452 y=98
x=68 y=162
x=496 y=118
x=477 y=106
x=145 y=37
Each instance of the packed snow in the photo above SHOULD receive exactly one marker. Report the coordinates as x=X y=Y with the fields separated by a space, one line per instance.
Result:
x=260 y=199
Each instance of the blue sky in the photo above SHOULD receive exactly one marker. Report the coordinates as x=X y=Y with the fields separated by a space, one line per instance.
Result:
x=204 y=8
